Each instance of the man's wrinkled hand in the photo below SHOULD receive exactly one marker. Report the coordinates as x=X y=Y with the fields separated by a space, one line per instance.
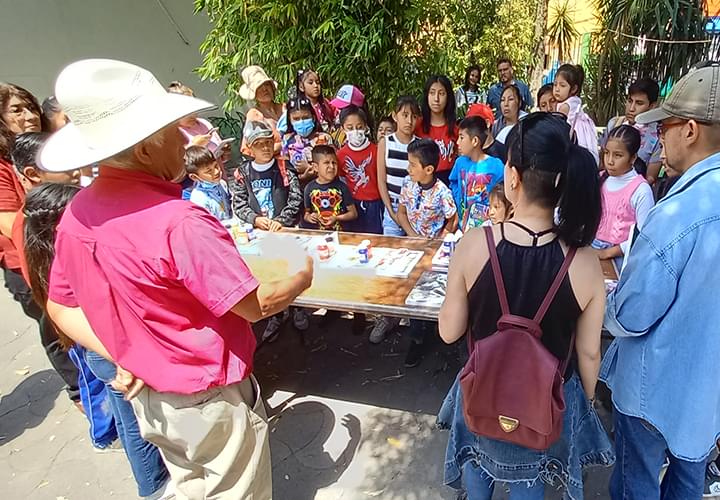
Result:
x=127 y=383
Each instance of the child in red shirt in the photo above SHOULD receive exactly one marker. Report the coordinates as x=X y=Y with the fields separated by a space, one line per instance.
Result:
x=358 y=168
x=438 y=122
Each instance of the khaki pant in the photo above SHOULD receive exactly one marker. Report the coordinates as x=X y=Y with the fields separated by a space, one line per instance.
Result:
x=215 y=443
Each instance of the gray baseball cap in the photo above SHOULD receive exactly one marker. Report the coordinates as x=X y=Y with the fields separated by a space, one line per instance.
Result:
x=256 y=130
x=695 y=97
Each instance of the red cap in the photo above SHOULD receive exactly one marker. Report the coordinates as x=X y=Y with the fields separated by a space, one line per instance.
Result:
x=483 y=111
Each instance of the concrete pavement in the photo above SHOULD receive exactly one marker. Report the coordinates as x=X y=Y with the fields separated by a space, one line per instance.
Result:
x=347 y=421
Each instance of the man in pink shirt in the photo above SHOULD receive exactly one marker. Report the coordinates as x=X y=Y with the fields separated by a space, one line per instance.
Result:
x=160 y=282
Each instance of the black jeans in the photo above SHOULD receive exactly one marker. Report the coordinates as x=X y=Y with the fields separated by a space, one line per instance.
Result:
x=59 y=359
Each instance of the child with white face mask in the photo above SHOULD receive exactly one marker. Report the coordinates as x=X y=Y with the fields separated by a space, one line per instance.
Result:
x=357 y=161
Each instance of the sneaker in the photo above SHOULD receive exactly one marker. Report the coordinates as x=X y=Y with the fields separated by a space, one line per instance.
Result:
x=414 y=355
x=114 y=447
x=712 y=481
x=382 y=327
x=301 y=319
x=272 y=329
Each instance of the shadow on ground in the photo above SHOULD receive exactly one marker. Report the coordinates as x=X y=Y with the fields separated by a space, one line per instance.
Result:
x=28 y=404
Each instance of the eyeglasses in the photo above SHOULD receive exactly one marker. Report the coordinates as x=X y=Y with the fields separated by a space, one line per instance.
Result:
x=664 y=127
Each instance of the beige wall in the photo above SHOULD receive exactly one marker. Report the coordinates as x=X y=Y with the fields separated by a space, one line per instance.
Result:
x=39 y=37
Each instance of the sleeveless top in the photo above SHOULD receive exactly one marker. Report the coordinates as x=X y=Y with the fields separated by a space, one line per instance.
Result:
x=618 y=214
x=528 y=272
x=396 y=165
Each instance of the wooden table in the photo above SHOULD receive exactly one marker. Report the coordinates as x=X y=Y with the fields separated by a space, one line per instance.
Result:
x=357 y=291
x=360 y=292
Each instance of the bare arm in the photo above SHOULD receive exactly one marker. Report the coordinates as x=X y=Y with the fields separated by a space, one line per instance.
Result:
x=7 y=219
x=611 y=253
x=402 y=219
x=73 y=323
x=272 y=298
x=564 y=109
x=589 y=326
x=348 y=216
x=453 y=317
x=451 y=225
x=382 y=179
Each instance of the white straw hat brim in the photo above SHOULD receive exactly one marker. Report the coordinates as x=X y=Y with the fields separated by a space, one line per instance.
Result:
x=68 y=148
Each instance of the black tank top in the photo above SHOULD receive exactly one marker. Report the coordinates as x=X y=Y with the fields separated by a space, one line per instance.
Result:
x=528 y=272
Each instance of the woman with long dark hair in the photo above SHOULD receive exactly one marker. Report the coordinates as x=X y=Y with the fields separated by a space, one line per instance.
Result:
x=44 y=206
x=438 y=121
x=511 y=110
x=544 y=171
x=469 y=92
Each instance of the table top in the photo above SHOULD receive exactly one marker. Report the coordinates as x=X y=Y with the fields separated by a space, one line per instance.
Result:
x=359 y=291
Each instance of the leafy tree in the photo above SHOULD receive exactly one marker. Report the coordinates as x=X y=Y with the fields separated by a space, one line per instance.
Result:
x=387 y=48
x=626 y=47
x=562 y=31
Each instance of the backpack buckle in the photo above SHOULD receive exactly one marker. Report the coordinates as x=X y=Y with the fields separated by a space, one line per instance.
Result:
x=508 y=424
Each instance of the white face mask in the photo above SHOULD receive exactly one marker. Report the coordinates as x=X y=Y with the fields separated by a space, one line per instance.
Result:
x=357 y=138
x=86 y=180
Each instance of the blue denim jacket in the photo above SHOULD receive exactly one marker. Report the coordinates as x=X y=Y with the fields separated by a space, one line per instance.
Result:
x=664 y=365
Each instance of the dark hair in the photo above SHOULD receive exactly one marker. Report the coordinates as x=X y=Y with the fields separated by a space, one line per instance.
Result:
x=388 y=119
x=450 y=106
x=545 y=89
x=518 y=95
x=557 y=173
x=43 y=208
x=406 y=100
x=178 y=87
x=353 y=110
x=322 y=150
x=26 y=148
x=470 y=69
x=301 y=103
x=646 y=86
x=475 y=126
x=630 y=137
x=197 y=157
x=574 y=75
x=503 y=60
x=325 y=110
x=499 y=192
x=7 y=92
x=426 y=150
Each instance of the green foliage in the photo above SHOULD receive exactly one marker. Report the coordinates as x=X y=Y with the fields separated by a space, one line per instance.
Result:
x=387 y=48
x=562 y=31
x=620 y=58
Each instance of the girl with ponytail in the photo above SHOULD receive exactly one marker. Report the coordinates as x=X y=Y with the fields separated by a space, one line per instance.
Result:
x=544 y=172
x=567 y=88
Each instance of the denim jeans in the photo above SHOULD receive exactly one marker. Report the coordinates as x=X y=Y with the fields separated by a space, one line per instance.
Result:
x=480 y=486
x=390 y=227
x=145 y=460
x=641 y=451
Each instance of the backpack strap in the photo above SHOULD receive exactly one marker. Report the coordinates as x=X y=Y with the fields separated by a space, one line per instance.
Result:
x=555 y=286
x=497 y=272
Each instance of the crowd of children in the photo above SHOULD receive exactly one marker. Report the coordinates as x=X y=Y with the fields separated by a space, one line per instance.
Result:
x=334 y=171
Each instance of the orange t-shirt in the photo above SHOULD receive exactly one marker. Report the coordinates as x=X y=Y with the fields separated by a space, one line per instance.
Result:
x=444 y=140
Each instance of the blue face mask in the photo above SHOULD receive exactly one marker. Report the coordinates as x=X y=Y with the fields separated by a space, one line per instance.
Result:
x=304 y=127
x=206 y=185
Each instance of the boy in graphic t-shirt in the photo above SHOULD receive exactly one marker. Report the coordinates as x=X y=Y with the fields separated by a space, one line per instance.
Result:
x=427 y=210
x=357 y=161
x=328 y=202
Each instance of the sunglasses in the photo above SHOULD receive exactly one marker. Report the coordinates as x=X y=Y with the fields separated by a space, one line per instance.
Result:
x=525 y=122
x=664 y=127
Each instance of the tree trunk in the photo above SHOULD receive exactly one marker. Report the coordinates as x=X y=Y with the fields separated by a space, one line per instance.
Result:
x=541 y=16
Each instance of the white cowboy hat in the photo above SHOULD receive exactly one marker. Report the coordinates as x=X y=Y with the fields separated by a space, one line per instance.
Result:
x=254 y=77
x=112 y=105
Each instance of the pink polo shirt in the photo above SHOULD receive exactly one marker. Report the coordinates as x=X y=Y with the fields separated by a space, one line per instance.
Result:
x=156 y=277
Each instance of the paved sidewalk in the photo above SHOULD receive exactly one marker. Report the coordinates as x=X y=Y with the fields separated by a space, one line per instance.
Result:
x=347 y=420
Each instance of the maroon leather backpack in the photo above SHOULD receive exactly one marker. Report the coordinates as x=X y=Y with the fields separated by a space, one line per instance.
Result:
x=512 y=386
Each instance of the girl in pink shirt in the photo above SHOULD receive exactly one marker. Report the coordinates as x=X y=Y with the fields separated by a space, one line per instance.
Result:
x=308 y=84
x=626 y=196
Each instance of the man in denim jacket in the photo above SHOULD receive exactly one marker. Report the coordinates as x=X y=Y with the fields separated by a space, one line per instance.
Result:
x=663 y=368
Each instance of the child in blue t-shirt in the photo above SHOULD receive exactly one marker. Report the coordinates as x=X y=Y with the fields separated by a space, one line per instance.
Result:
x=209 y=190
x=474 y=175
